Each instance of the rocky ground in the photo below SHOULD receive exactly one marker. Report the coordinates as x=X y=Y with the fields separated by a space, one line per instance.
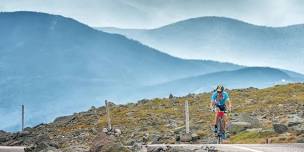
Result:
x=273 y=114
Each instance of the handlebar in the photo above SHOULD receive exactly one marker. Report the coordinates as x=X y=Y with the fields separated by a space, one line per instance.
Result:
x=213 y=110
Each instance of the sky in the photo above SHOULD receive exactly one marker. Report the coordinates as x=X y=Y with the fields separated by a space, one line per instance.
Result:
x=155 y=13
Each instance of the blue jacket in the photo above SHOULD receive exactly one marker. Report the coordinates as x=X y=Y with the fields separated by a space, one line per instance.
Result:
x=222 y=101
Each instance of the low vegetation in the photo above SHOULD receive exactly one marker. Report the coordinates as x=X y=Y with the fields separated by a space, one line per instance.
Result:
x=163 y=119
x=274 y=114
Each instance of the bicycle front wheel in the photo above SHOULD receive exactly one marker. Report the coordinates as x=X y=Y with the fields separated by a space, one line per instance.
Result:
x=220 y=132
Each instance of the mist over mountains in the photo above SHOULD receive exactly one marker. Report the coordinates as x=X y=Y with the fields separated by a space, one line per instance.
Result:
x=56 y=66
x=225 y=39
x=259 y=77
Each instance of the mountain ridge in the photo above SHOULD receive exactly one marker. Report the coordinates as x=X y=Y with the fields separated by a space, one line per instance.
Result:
x=56 y=66
x=203 y=17
x=49 y=60
x=240 y=42
x=259 y=77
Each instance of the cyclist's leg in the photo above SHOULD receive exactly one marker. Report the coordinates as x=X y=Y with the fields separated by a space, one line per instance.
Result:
x=225 y=122
x=216 y=119
x=227 y=119
x=223 y=108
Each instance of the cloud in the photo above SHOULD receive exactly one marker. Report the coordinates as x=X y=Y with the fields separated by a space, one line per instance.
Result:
x=155 y=13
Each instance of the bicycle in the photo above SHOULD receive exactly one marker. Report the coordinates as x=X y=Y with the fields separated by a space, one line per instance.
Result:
x=220 y=134
x=220 y=127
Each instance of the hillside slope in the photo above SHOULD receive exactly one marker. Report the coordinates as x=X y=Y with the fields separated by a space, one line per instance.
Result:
x=163 y=119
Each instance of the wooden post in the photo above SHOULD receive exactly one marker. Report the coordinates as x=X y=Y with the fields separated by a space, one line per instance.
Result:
x=268 y=140
x=108 y=115
x=187 y=117
x=22 y=118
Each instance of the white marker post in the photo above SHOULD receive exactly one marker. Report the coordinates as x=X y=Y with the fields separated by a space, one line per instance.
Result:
x=108 y=115
x=187 y=117
x=22 y=118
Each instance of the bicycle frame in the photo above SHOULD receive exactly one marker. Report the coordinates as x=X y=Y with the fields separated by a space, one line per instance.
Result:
x=220 y=125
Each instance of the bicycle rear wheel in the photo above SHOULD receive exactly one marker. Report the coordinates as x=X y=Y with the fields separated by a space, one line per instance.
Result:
x=219 y=131
x=219 y=140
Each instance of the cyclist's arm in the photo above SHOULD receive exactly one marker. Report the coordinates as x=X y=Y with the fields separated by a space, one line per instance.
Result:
x=212 y=103
x=229 y=104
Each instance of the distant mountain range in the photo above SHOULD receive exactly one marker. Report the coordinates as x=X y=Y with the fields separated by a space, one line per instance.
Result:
x=225 y=39
x=259 y=77
x=51 y=63
x=56 y=66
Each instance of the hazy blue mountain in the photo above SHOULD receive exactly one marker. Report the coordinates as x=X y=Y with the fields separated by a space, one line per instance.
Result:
x=259 y=77
x=56 y=65
x=225 y=39
x=294 y=75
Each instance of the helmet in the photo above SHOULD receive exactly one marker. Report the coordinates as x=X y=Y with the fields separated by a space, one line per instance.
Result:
x=219 y=88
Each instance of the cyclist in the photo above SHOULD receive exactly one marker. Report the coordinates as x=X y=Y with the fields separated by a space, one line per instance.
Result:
x=219 y=99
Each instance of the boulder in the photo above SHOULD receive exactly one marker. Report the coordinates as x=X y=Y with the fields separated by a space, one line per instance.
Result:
x=246 y=117
x=24 y=133
x=195 y=137
x=291 y=124
x=294 y=120
x=107 y=143
x=237 y=127
x=117 y=132
x=105 y=130
x=186 y=138
x=279 y=128
x=155 y=139
x=4 y=136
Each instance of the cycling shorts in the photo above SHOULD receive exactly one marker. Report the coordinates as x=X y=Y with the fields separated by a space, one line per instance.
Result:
x=221 y=107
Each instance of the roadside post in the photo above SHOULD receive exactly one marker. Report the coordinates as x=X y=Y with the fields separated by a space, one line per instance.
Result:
x=108 y=115
x=186 y=137
x=22 y=118
x=187 y=117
